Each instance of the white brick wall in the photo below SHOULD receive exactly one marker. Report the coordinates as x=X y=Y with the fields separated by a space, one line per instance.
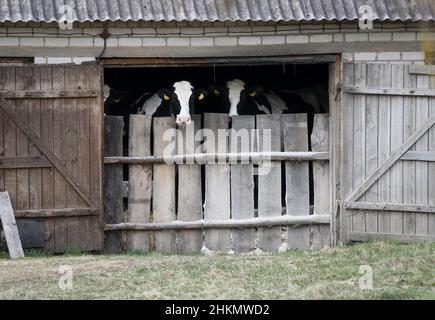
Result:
x=225 y=41
x=296 y=39
x=208 y=35
x=201 y=42
x=249 y=41
x=357 y=37
x=269 y=40
x=321 y=38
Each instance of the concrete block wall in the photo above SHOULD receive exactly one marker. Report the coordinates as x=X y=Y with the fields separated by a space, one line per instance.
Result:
x=84 y=40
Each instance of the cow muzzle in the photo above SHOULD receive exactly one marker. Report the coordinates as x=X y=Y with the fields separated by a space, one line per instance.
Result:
x=183 y=119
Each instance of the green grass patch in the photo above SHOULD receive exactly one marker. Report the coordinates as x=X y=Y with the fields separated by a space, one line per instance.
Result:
x=400 y=271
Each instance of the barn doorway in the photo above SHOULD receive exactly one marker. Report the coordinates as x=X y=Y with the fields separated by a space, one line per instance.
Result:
x=303 y=86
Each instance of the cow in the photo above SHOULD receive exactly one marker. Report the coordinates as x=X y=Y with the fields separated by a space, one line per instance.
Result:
x=317 y=97
x=178 y=101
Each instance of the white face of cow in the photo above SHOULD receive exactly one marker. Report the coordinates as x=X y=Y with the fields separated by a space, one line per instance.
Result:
x=184 y=91
x=235 y=87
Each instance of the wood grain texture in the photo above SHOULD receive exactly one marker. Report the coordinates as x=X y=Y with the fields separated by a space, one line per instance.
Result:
x=242 y=182
x=320 y=141
x=269 y=180
x=10 y=227
x=217 y=185
x=189 y=188
x=346 y=170
x=41 y=129
x=164 y=183
x=113 y=181
x=384 y=145
x=295 y=128
x=140 y=181
x=398 y=104
x=371 y=143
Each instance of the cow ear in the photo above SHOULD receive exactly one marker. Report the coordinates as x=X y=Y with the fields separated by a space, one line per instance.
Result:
x=201 y=94
x=165 y=94
x=255 y=91
x=213 y=89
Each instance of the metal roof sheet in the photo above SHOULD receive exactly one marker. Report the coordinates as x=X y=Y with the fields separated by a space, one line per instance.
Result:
x=214 y=10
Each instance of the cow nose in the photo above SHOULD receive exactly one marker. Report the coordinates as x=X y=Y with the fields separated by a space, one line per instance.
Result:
x=183 y=119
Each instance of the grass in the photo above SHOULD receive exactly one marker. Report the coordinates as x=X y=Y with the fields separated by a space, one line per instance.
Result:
x=400 y=271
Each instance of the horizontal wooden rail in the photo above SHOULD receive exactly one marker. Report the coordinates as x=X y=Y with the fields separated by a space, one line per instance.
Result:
x=48 y=94
x=370 y=236
x=227 y=157
x=375 y=206
x=425 y=70
x=391 y=91
x=223 y=224
x=428 y=156
x=52 y=213
x=24 y=162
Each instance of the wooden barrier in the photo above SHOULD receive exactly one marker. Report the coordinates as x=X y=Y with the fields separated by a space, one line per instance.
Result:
x=186 y=195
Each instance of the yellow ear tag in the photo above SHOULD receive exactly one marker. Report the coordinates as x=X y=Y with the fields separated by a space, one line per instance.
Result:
x=166 y=97
x=201 y=96
x=217 y=92
x=253 y=93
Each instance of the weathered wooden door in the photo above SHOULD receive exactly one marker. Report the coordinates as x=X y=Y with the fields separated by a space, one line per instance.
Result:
x=388 y=152
x=51 y=151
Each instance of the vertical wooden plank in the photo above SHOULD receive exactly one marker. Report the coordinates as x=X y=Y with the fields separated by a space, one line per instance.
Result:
x=23 y=81
x=60 y=152
x=217 y=186
x=371 y=142
x=421 y=169
x=346 y=172
x=47 y=174
x=242 y=182
x=189 y=198
x=321 y=176
x=10 y=227
x=113 y=181
x=164 y=183
x=95 y=74
x=335 y=75
x=297 y=178
x=83 y=157
x=10 y=142
x=431 y=200
x=269 y=180
x=35 y=175
x=140 y=181
x=359 y=127
x=2 y=145
x=71 y=145
x=396 y=171
x=384 y=147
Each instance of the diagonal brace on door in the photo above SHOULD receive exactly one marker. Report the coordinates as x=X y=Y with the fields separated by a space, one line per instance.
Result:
x=7 y=108
x=394 y=157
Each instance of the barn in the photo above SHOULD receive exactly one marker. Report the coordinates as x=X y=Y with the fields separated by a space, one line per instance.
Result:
x=351 y=160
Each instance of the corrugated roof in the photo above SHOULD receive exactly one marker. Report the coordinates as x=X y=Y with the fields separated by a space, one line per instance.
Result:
x=214 y=10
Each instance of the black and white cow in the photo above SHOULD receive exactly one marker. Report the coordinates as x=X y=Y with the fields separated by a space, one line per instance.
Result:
x=179 y=101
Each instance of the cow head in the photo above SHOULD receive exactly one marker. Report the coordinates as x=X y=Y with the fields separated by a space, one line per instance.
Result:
x=242 y=99
x=181 y=98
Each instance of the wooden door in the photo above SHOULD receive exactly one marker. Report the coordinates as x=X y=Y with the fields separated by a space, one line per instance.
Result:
x=51 y=151
x=388 y=152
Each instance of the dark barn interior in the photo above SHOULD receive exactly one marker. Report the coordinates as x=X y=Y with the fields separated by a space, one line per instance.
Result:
x=283 y=78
